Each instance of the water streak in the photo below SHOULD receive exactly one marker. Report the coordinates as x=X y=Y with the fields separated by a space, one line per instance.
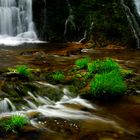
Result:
x=70 y=19
x=6 y=106
x=133 y=23
x=59 y=110
x=16 y=22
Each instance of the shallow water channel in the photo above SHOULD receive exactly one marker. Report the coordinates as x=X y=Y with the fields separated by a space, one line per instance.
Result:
x=73 y=118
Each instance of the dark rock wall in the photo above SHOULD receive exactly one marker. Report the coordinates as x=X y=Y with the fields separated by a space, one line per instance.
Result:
x=102 y=19
x=39 y=16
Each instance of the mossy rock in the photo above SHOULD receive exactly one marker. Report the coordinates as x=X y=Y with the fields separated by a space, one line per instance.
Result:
x=133 y=86
x=53 y=92
x=14 y=77
x=126 y=73
x=18 y=89
x=3 y=94
x=108 y=86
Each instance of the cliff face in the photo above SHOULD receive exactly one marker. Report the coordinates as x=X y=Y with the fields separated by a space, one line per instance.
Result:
x=64 y=20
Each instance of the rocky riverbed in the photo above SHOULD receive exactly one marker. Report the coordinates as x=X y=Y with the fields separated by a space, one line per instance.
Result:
x=55 y=109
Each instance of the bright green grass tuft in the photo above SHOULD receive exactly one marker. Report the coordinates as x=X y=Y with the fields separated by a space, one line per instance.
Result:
x=58 y=76
x=23 y=70
x=107 y=85
x=102 y=66
x=15 y=122
x=82 y=63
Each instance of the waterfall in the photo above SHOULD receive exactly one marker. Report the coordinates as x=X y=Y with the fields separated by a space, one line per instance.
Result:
x=132 y=22
x=137 y=3
x=70 y=19
x=85 y=33
x=16 y=21
x=6 y=106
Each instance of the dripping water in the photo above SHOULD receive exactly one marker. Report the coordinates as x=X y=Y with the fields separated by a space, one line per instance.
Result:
x=86 y=33
x=133 y=23
x=70 y=19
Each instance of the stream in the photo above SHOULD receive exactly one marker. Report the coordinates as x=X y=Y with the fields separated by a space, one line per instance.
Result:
x=71 y=118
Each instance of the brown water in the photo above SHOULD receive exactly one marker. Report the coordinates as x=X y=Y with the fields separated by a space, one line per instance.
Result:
x=107 y=121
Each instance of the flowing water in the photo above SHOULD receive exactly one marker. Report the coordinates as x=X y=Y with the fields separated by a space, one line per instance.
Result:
x=69 y=117
x=132 y=21
x=69 y=20
x=137 y=3
x=16 y=22
x=66 y=118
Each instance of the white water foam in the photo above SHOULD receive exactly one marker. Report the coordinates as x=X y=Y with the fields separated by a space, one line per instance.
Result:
x=16 y=23
x=15 y=41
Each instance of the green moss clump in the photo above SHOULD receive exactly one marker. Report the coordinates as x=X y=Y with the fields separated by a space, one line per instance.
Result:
x=14 y=123
x=108 y=85
x=82 y=63
x=23 y=70
x=101 y=66
x=58 y=76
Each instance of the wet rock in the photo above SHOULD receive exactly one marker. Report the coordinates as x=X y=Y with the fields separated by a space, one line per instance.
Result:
x=92 y=136
x=29 y=132
x=3 y=94
x=106 y=138
x=28 y=129
x=9 y=88
x=18 y=89
x=133 y=86
x=59 y=125
x=28 y=53
x=14 y=77
x=39 y=55
x=33 y=114
x=53 y=92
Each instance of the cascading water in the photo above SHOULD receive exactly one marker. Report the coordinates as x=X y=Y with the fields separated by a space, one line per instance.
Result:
x=132 y=22
x=6 y=105
x=137 y=3
x=68 y=116
x=16 y=22
x=70 y=19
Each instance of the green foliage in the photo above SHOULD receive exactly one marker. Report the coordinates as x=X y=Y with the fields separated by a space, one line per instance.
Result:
x=58 y=76
x=23 y=70
x=82 y=63
x=78 y=75
x=101 y=66
x=88 y=75
x=15 y=122
x=126 y=73
x=108 y=85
